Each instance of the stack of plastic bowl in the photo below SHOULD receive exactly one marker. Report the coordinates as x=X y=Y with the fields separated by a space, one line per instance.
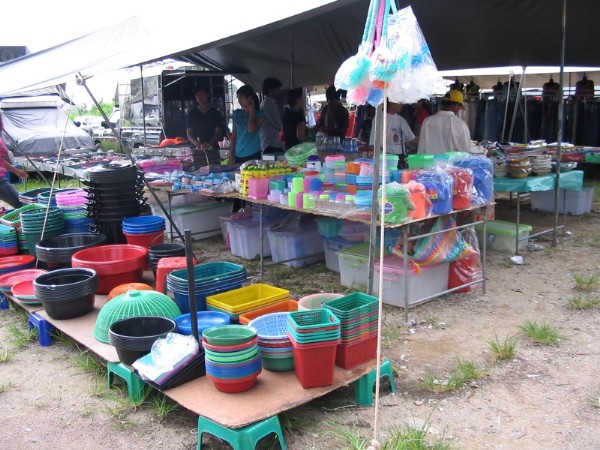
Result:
x=73 y=204
x=158 y=251
x=232 y=357
x=315 y=335
x=8 y=280
x=358 y=314
x=237 y=302
x=66 y=293
x=133 y=337
x=8 y=241
x=204 y=320
x=32 y=225
x=43 y=198
x=144 y=231
x=209 y=278
x=16 y=262
x=133 y=304
x=56 y=251
x=275 y=347
x=13 y=219
x=116 y=264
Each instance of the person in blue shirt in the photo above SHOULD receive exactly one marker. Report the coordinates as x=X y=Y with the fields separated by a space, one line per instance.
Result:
x=245 y=136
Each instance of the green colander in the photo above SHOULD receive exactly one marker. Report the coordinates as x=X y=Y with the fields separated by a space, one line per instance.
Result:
x=133 y=304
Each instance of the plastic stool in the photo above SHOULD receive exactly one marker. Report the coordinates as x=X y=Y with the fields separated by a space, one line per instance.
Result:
x=166 y=266
x=3 y=301
x=135 y=385
x=241 y=438
x=364 y=385
x=43 y=326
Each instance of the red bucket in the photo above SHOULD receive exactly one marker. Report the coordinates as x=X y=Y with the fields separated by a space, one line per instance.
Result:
x=146 y=240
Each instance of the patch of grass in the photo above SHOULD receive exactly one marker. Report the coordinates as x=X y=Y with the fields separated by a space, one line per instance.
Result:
x=350 y=436
x=462 y=374
x=21 y=338
x=595 y=401
x=541 y=332
x=586 y=282
x=432 y=321
x=583 y=301
x=88 y=363
x=162 y=406
x=409 y=437
x=587 y=240
x=6 y=386
x=87 y=410
x=5 y=355
x=391 y=334
x=503 y=350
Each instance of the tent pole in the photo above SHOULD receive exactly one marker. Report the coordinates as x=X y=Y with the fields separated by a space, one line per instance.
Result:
x=81 y=82
x=377 y=145
x=143 y=103
x=516 y=107
x=524 y=95
x=510 y=77
x=560 y=123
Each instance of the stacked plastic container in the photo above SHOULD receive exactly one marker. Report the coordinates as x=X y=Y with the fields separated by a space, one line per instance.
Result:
x=8 y=241
x=239 y=301
x=209 y=278
x=315 y=335
x=35 y=222
x=73 y=203
x=144 y=231
x=273 y=341
x=358 y=314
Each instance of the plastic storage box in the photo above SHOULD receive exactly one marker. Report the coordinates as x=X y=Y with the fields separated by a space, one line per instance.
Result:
x=244 y=239
x=332 y=247
x=202 y=219
x=353 y=262
x=304 y=244
x=577 y=202
x=501 y=236
x=429 y=280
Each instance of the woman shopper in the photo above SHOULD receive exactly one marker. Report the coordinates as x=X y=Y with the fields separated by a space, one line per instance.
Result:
x=8 y=193
x=245 y=137
x=294 y=119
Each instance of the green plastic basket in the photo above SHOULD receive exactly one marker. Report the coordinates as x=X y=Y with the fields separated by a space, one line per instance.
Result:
x=278 y=364
x=312 y=319
x=13 y=218
x=352 y=305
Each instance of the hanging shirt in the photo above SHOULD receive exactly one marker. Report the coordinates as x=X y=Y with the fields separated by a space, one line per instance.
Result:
x=445 y=132
x=398 y=134
x=269 y=131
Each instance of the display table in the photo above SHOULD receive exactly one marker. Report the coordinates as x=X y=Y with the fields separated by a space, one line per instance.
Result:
x=568 y=181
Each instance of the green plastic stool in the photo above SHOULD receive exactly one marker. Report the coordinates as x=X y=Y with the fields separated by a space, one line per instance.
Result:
x=136 y=387
x=363 y=387
x=241 y=438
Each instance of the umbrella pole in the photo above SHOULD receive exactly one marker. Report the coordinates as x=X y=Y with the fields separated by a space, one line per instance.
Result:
x=189 y=255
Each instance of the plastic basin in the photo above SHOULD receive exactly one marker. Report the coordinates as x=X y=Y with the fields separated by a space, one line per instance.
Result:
x=229 y=335
x=205 y=319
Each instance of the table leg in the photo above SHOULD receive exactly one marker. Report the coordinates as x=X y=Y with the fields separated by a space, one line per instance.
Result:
x=518 y=222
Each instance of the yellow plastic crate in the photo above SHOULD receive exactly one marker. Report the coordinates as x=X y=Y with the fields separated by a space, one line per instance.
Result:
x=247 y=297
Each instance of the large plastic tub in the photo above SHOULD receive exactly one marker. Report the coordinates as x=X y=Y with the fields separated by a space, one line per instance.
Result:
x=201 y=219
x=332 y=247
x=501 y=236
x=304 y=246
x=353 y=263
x=244 y=239
x=429 y=280
x=577 y=202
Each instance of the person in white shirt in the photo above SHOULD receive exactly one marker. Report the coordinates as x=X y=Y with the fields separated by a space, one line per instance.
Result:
x=445 y=131
x=400 y=138
x=270 y=142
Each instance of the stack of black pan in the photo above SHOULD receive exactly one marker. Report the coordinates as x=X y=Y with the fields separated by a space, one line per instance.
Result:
x=115 y=191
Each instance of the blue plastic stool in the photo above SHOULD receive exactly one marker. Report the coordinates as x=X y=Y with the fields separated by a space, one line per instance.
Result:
x=241 y=438
x=3 y=301
x=364 y=385
x=43 y=326
x=136 y=388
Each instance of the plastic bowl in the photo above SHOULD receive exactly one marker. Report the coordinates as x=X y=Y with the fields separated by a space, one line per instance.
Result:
x=229 y=335
x=205 y=319
x=236 y=385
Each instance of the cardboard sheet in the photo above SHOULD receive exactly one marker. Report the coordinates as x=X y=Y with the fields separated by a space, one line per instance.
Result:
x=274 y=392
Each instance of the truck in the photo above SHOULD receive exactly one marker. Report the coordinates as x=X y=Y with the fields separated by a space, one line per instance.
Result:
x=151 y=108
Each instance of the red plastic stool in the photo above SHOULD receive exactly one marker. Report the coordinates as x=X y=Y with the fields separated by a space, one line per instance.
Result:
x=166 y=266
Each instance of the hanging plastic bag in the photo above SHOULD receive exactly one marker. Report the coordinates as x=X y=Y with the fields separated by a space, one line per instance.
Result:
x=397 y=202
x=442 y=247
x=355 y=70
x=467 y=269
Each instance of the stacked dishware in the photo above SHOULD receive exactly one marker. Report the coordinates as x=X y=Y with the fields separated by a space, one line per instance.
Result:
x=541 y=164
x=358 y=314
x=314 y=335
x=273 y=341
x=209 y=278
x=16 y=262
x=232 y=357
x=519 y=166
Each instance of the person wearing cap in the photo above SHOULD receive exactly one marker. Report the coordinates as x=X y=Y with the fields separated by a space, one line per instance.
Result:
x=334 y=118
x=445 y=131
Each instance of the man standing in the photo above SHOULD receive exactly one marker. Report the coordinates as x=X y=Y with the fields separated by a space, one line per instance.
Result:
x=334 y=118
x=269 y=132
x=445 y=131
x=400 y=139
x=204 y=128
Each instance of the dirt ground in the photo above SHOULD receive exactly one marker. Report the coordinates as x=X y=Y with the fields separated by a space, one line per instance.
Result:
x=545 y=397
